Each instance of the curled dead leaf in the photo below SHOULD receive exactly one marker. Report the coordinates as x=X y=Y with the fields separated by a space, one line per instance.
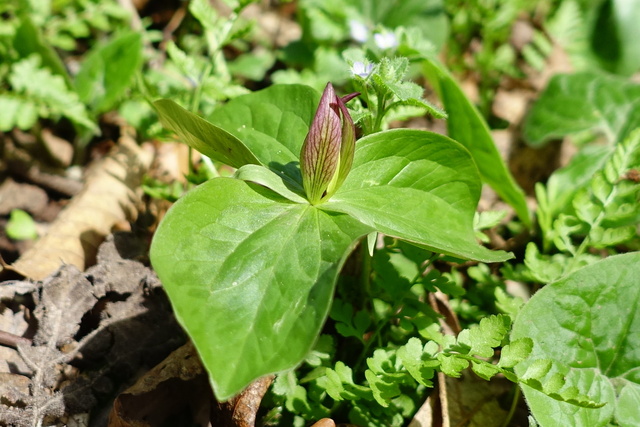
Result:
x=109 y=197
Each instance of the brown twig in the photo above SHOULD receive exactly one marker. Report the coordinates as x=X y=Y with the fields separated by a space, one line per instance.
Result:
x=12 y=340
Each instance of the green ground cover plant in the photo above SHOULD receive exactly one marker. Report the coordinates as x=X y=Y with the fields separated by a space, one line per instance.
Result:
x=282 y=229
x=266 y=256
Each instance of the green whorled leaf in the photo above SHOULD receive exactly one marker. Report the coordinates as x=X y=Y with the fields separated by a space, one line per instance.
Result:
x=607 y=237
x=589 y=321
x=250 y=276
x=466 y=125
x=334 y=383
x=204 y=13
x=281 y=184
x=108 y=71
x=273 y=123
x=199 y=134
x=418 y=186
x=585 y=101
x=382 y=388
x=17 y=111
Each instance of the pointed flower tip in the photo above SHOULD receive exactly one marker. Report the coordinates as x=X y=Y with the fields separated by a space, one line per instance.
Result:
x=327 y=152
x=349 y=97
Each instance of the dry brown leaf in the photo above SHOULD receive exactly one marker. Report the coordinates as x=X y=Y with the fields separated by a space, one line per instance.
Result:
x=95 y=330
x=27 y=197
x=474 y=402
x=109 y=197
x=65 y=299
x=177 y=383
x=13 y=385
x=464 y=401
x=424 y=417
x=325 y=422
x=25 y=158
x=60 y=150
x=467 y=401
x=511 y=105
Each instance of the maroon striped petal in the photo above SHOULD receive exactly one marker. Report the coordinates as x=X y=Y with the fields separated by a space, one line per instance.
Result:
x=321 y=149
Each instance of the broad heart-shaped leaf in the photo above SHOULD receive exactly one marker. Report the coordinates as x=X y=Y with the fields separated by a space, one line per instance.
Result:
x=250 y=275
x=466 y=125
x=418 y=186
x=273 y=123
x=201 y=135
x=586 y=101
x=590 y=321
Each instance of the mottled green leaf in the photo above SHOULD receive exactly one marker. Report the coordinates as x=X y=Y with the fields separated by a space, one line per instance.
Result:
x=586 y=101
x=590 y=322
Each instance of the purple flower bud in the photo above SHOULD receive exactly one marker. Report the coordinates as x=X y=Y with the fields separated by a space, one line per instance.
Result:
x=327 y=152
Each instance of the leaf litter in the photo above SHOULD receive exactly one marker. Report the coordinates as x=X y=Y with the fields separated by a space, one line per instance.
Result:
x=92 y=333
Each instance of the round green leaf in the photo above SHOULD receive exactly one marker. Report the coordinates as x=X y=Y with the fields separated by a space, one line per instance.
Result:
x=419 y=186
x=589 y=322
x=250 y=275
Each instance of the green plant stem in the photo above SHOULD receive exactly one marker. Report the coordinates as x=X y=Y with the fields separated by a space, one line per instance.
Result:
x=197 y=93
x=381 y=111
x=364 y=93
x=367 y=345
x=514 y=405
x=365 y=292
x=365 y=272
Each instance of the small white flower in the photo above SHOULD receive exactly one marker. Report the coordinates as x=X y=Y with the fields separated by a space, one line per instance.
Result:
x=361 y=69
x=385 y=40
x=359 y=31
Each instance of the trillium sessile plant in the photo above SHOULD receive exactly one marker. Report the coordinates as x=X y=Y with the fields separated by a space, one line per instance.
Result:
x=250 y=262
